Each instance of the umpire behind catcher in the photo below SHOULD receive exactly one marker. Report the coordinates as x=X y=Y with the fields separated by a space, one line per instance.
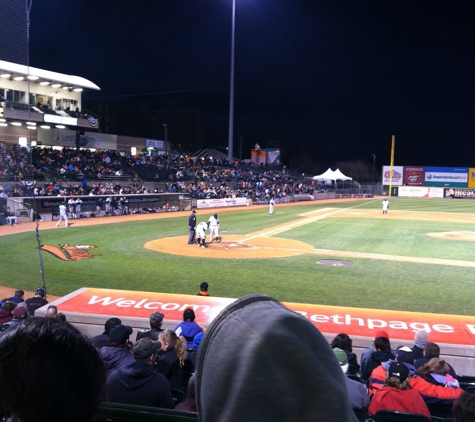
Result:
x=191 y=227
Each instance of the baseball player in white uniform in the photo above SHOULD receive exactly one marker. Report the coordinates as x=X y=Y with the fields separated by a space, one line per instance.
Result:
x=72 y=207
x=271 y=206
x=78 y=207
x=201 y=234
x=214 y=228
x=63 y=215
x=385 y=206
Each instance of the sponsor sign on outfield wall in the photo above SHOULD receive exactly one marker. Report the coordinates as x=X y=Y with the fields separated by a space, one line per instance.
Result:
x=446 y=177
x=401 y=325
x=413 y=176
x=420 y=192
x=216 y=203
x=460 y=193
x=396 y=177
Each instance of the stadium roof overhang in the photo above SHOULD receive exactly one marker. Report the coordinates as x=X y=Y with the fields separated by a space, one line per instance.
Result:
x=13 y=70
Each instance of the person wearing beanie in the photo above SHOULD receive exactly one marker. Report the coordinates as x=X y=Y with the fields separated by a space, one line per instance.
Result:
x=118 y=353
x=283 y=370
x=357 y=395
x=188 y=328
x=421 y=338
x=137 y=383
x=156 y=322
x=397 y=393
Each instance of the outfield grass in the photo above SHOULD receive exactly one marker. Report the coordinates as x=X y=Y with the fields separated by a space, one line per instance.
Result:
x=125 y=264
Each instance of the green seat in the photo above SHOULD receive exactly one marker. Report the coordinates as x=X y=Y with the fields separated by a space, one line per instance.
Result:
x=117 y=412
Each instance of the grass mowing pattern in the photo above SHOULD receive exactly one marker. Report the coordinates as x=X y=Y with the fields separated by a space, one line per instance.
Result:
x=125 y=264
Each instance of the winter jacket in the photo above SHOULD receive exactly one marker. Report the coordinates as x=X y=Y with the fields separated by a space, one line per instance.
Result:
x=115 y=357
x=391 y=398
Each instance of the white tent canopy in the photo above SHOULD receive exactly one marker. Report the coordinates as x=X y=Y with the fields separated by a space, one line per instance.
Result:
x=332 y=175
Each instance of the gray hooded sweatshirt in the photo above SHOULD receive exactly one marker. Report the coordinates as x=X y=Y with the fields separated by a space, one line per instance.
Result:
x=260 y=361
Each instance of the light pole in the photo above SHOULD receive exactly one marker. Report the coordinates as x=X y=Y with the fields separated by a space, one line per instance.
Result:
x=166 y=138
x=231 y=92
x=374 y=164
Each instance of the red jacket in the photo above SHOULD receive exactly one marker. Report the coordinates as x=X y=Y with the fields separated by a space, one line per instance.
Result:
x=391 y=398
x=432 y=392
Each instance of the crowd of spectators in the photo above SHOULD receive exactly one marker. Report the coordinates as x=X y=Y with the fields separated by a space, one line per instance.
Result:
x=154 y=371
x=68 y=171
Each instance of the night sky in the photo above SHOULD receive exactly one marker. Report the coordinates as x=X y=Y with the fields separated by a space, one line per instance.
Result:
x=333 y=79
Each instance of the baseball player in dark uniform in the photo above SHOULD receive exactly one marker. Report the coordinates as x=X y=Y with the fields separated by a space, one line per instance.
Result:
x=192 y=227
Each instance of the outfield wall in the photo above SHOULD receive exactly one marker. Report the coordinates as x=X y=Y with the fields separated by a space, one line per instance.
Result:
x=89 y=308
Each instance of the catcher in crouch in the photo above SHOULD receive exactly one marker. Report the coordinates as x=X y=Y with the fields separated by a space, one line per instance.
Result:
x=201 y=234
x=213 y=224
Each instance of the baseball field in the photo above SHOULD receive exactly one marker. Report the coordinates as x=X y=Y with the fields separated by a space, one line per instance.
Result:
x=418 y=257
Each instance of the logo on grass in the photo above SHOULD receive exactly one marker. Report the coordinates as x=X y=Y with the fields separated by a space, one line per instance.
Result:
x=70 y=252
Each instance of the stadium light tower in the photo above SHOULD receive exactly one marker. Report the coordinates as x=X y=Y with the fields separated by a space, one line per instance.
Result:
x=231 y=92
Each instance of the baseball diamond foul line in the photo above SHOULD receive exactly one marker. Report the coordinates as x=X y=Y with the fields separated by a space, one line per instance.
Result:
x=381 y=257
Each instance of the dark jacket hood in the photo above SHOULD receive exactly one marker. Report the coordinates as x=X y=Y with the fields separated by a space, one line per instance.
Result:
x=135 y=375
x=260 y=361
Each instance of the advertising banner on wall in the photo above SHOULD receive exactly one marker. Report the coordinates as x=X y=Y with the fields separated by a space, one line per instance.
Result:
x=421 y=192
x=397 y=175
x=413 y=176
x=67 y=138
x=446 y=176
x=471 y=177
x=460 y=193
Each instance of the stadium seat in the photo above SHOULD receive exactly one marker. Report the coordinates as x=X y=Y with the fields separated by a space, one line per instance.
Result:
x=394 y=416
x=116 y=412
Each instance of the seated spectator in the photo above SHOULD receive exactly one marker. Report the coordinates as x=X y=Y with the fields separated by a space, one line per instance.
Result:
x=10 y=217
x=191 y=354
x=283 y=369
x=382 y=353
x=437 y=387
x=36 y=302
x=188 y=328
x=357 y=395
x=51 y=311
x=172 y=359
x=189 y=405
x=397 y=393
x=432 y=350
x=463 y=408
x=156 y=321
x=60 y=317
x=366 y=354
x=421 y=338
x=344 y=342
x=6 y=312
x=57 y=377
x=137 y=383
x=18 y=297
x=403 y=355
x=119 y=352
x=102 y=340
x=19 y=313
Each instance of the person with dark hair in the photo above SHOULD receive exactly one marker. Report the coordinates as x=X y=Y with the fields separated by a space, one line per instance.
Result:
x=6 y=312
x=432 y=350
x=188 y=328
x=366 y=354
x=345 y=343
x=463 y=408
x=284 y=371
x=18 y=296
x=10 y=217
x=156 y=321
x=36 y=302
x=137 y=383
x=382 y=353
x=119 y=352
x=60 y=317
x=54 y=375
x=102 y=340
x=203 y=289
x=397 y=393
